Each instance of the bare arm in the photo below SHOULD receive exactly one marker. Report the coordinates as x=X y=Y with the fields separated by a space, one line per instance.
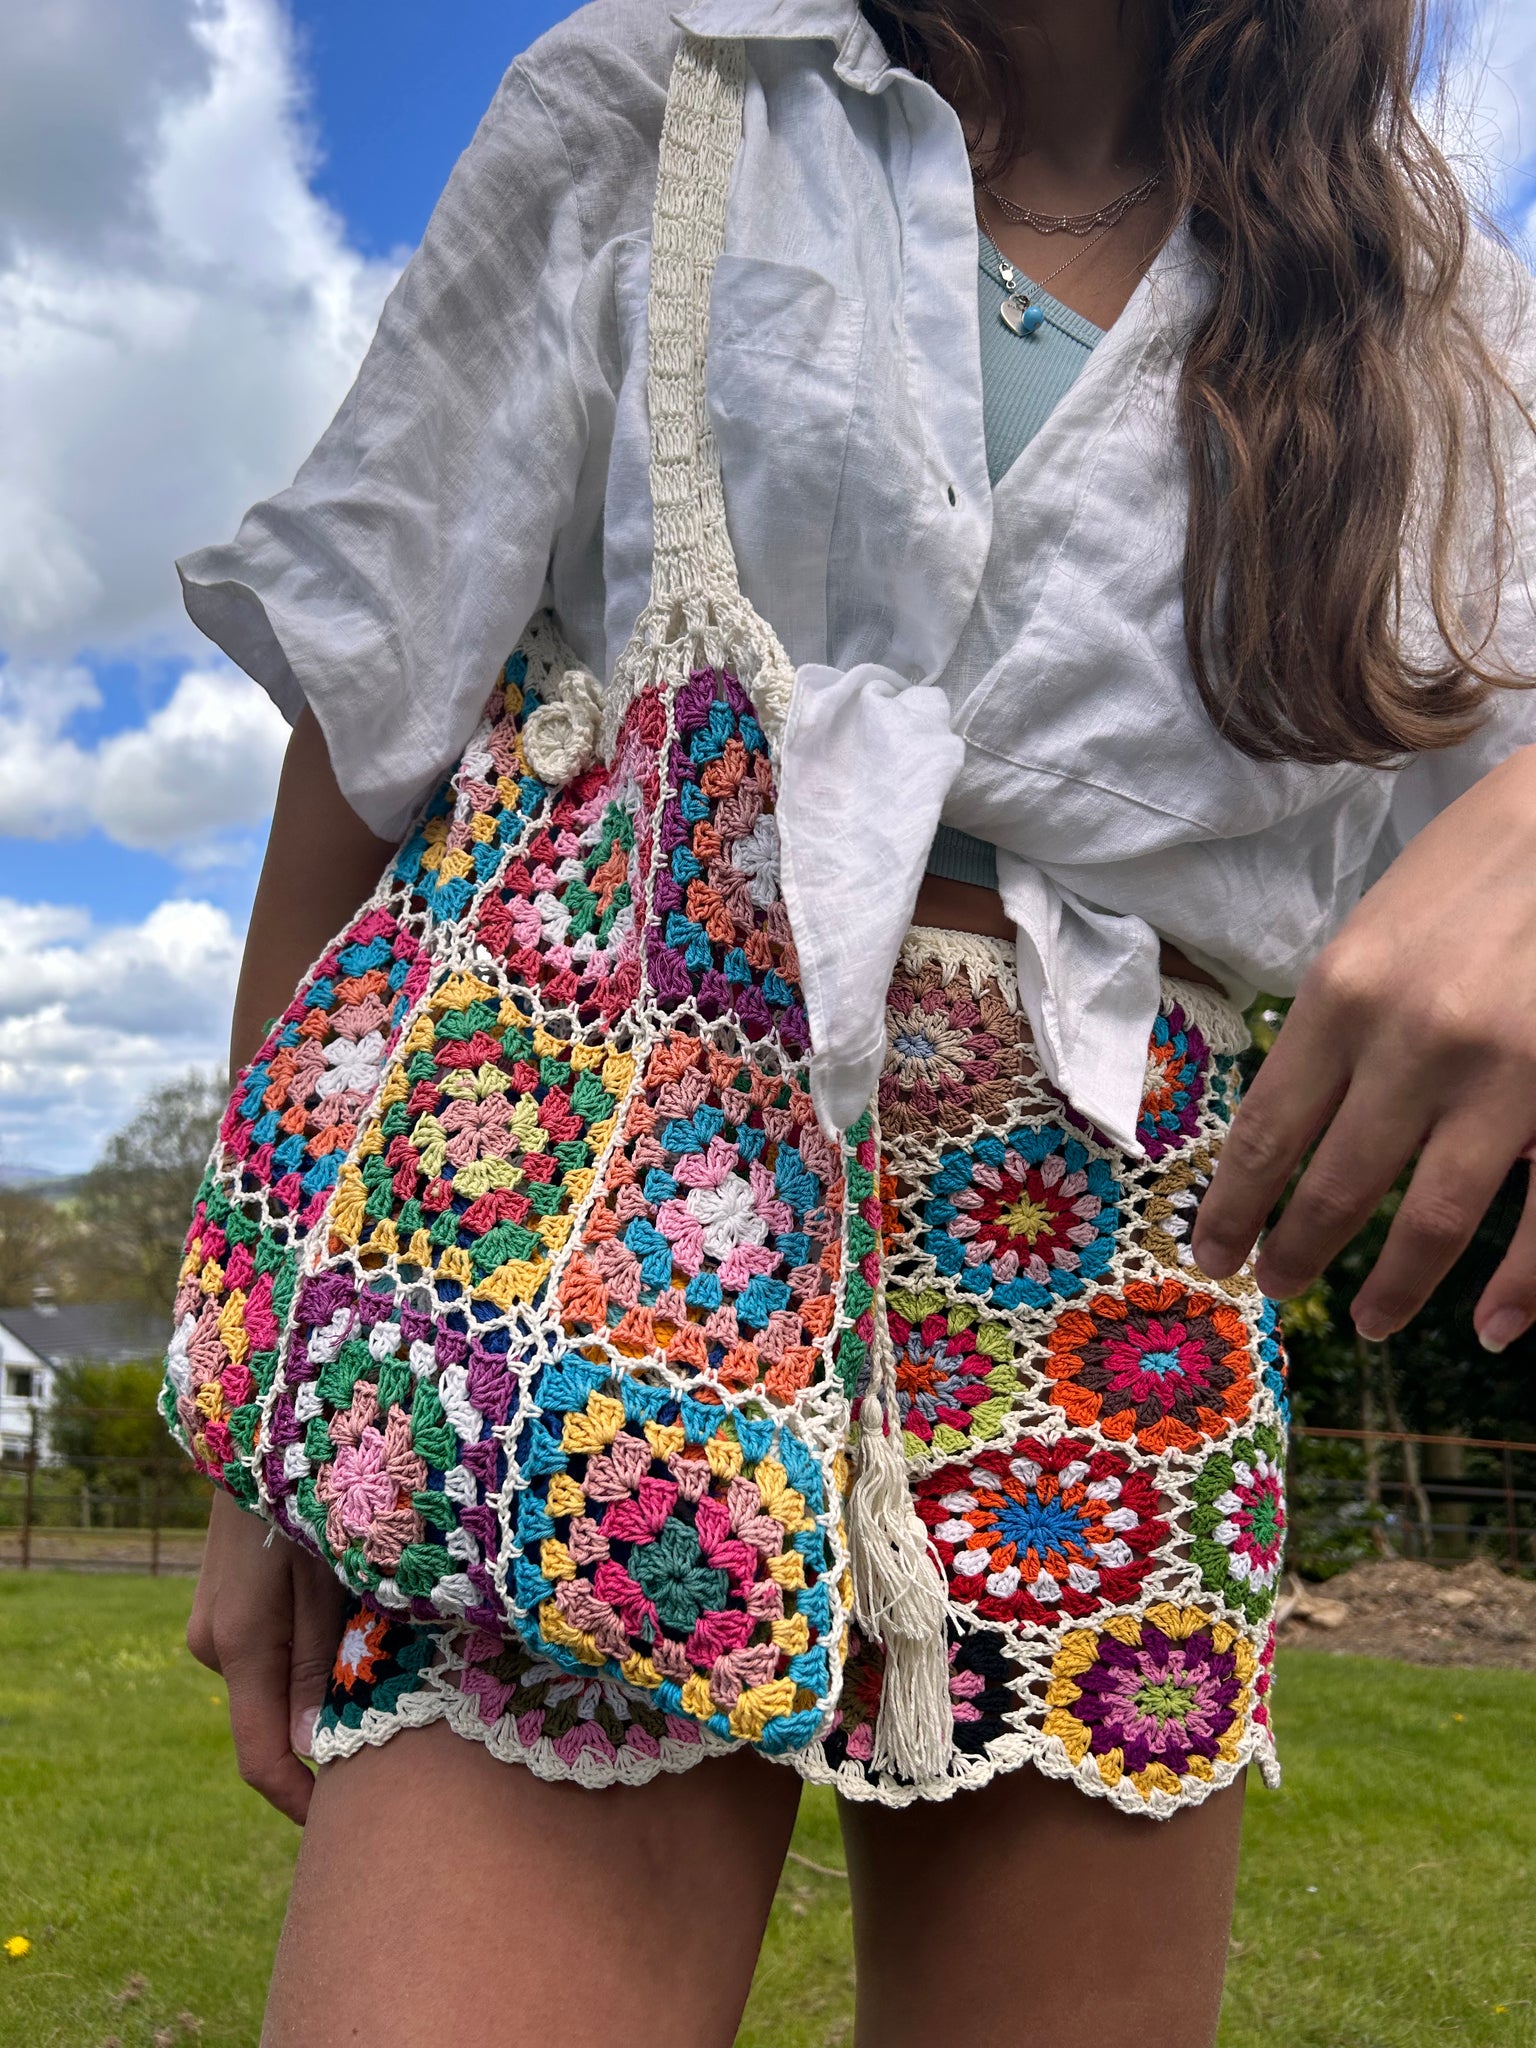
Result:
x=266 y=1613
x=321 y=862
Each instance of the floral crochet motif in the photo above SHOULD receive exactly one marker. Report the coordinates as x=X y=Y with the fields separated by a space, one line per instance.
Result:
x=1023 y=1219
x=717 y=1241
x=580 y=1714
x=955 y=1379
x=952 y=1055
x=1045 y=1530
x=679 y=1548
x=378 y=1662
x=1159 y=1364
x=979 y=1697
x=1170 y=1103
x=721 y=938
x=1239 y=1521
x=484 y=1142
x=563 y=915
x=1153 y=1698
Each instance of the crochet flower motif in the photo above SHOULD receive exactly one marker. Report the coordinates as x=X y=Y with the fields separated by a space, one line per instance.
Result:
x=351 y=1064
x=715 y=1237
x=362 y=1646
x=979 y=1695
x=1174 y=1086
x=955 y=1378
x=718 y=938
x=1154 y=1698
x=1239 y=1522
x=1045 y=1530
x=952 y=1055
x=368 y=1485
x=562 y=915
x=293 y=1115
x=378 y=1661
x=1159 y=1364
x=756 y=856
x=1023 y=1219
x=1168 y=1215
x=581 y=1715
x=677 y=1548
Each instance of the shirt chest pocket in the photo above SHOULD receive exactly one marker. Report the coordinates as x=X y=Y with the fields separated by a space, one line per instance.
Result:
x=781 y=375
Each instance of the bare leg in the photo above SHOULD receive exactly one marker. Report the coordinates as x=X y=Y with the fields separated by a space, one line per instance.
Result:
x=442 y=1895
x=1029 y=1913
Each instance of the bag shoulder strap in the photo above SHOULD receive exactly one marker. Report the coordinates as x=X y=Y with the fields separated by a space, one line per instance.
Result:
x=700 y=137
x=696 y=611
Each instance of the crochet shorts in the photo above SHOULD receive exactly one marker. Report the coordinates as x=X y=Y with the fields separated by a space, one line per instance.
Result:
x=1094 y=1435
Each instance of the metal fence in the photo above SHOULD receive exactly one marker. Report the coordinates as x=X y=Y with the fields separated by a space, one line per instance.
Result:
x=101 y=1511
x=1352 y=1494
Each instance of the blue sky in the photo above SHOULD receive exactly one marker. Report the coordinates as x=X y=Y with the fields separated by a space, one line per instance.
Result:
x=202 y=206
x=397 y=89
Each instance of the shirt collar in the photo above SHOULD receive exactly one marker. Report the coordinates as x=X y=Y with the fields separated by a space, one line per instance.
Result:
x=861 y=56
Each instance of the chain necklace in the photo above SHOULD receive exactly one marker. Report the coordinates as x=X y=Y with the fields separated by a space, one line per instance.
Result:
x=1018 y=313
x=1073 y=223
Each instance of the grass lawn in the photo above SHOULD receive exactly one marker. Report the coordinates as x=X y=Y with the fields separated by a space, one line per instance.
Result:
x=1387 y=1897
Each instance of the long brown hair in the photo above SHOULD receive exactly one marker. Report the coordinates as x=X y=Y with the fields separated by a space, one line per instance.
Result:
x=1339 y=403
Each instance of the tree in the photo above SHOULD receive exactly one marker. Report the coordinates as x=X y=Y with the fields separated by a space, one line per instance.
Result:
x=104 y=1422
x=136 y=1202
x=28 y=1240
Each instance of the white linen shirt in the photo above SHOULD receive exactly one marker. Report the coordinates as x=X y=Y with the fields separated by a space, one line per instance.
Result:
x=1012 y=658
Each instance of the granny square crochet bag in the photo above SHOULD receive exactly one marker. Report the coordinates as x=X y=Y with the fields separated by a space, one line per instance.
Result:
x=522 y=1285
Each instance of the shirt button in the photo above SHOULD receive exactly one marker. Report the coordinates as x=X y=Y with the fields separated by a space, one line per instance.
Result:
x=950 y=492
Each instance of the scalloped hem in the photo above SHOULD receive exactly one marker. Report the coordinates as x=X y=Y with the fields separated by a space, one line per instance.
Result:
x=1024 y=1748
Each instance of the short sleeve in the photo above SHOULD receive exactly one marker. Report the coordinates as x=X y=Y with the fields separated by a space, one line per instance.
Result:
x=1429 y=782
x=389 y=581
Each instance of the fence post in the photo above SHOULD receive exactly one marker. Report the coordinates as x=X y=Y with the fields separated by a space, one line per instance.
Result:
x=26 y=1495
x=1509 y=1509
x=154 y=1526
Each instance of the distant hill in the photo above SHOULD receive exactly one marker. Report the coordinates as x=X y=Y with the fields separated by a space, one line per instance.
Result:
x=46 y=1182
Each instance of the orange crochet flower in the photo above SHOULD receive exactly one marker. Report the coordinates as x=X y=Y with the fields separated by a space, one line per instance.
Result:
x=1158 y=1363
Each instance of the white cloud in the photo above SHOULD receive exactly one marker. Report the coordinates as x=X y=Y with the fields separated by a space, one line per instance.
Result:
x=93 y=1017
x=179 y=314
x=201 y=766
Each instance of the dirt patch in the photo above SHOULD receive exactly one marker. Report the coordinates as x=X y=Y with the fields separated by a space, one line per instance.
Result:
x=1419 y=1613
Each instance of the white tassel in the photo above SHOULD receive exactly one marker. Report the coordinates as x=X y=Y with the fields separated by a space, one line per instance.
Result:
x=899 y=1597
x=560 y=738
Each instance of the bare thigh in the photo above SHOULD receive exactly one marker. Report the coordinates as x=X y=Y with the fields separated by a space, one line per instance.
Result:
x=1029 y=1913
x=442 y=1895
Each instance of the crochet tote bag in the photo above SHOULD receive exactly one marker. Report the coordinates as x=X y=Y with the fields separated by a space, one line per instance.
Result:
x=522 y=1285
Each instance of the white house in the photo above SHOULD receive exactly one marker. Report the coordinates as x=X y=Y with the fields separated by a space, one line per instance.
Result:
x=26 y=1387
x=36 y=1341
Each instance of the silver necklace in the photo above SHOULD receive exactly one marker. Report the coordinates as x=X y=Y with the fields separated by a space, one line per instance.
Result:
x=1074 y=223
x=1018 y=312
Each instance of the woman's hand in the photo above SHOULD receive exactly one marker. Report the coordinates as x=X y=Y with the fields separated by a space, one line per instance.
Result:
x=267 y=1616
x=1414 y=1032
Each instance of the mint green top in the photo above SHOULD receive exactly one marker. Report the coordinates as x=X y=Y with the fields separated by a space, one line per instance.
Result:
x=1022 y=377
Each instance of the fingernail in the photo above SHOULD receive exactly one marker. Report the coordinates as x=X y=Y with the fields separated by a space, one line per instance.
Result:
x=1372 y=1329
x=302 y=1736
x=1502 y=1328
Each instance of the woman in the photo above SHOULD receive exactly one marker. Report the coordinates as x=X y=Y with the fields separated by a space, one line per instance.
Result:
x=1125 y=723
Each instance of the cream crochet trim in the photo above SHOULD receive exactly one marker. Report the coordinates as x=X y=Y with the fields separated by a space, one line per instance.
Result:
x=696 y=615
x=980 y=958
